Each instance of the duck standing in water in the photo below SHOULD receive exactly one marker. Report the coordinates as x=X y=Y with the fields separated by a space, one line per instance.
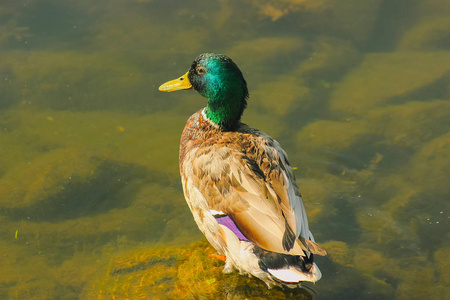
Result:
x=238 y=182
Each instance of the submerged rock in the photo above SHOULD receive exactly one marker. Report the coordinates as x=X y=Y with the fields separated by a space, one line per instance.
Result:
x=179 y=273
x=383 y=78
x=428 y=35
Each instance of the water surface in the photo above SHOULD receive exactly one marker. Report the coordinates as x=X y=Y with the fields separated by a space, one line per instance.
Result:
x=91 y=205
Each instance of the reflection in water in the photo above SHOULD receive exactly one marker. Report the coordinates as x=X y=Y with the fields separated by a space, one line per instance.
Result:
x=356 y=92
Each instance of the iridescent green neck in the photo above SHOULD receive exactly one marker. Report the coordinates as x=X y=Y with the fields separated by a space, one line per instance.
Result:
x=225 y=112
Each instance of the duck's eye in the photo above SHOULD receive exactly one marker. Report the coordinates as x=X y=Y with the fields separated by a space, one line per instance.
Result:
x=200 y=70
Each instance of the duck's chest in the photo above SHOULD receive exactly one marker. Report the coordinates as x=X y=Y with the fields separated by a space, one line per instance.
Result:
x=199 y=132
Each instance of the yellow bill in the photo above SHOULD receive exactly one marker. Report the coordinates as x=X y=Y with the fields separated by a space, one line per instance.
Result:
x=181 y=83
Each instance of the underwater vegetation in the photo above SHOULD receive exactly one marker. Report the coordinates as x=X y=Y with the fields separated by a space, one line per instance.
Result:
x=357 y=92
x=178 y=273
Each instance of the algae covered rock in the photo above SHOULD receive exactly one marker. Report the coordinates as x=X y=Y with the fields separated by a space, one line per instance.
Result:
x=179 y=273
x=102 y=135
x=324 y=16
x=329 y=58
x=72 y=196
x=140 y=274
x=418 y=283
x=319 y=194
x=431 y=164
x=339 y=252
x=430 y=9
x=442 y=259
x=254 y=56
x=410 y=124
x=428 y=35
x=56 y=153
x=287 y=90
x=34 y=181
x=380 y=78
x=35 y=82
x=79 y=237
x=332 y=134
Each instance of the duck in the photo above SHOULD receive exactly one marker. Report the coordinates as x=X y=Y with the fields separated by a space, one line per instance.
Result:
x=238 y=183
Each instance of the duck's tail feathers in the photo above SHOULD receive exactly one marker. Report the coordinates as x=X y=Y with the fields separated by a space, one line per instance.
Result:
x=289 y=269
x=292 y=275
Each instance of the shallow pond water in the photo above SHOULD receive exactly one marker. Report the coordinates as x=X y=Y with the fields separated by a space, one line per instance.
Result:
x=356 y=92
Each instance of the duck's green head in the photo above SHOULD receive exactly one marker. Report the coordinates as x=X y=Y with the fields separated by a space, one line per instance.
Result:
x=216 y=77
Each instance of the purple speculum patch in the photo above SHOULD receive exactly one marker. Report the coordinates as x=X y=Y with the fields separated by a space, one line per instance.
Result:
x=228 y=222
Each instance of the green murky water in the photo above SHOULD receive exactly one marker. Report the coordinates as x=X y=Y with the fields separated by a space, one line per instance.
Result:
x=91 y=207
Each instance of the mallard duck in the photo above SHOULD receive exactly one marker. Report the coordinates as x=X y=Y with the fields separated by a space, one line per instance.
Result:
x=238 y=183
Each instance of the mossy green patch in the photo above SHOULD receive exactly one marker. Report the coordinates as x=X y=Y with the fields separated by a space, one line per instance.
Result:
x=266 y=49
x=332 y=134
x=80 y=77
x=61 y=257
x=178 y=273
x=382 y=77
x=339 y=252
x=148 y=140
x=411 y=124
x=278 y=97
x=328 y=59
x=315 y=15
x=442 y=259
x=431 y=164
x=430 y=34
x=319 y=193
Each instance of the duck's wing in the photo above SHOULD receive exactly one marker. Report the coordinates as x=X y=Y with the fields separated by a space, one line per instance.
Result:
x=249 y=179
